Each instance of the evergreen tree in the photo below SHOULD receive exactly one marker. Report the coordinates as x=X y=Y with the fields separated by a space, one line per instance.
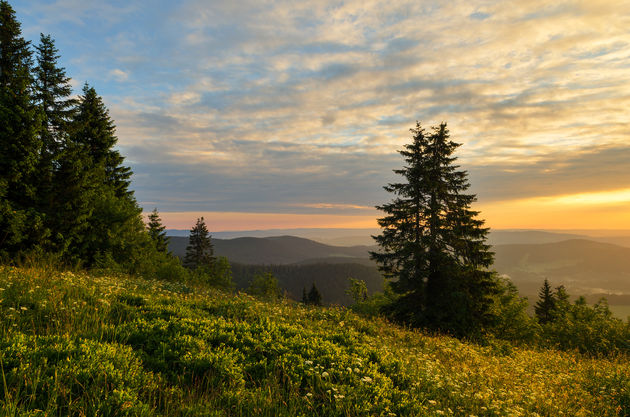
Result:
x=314 y=297
x=93 y=129
x=546 y=304
x=432 y=245
x=114 y=232
x=157 y=231
x=199 y=252
x=52 y=92
x=304 y=296
x=21 y=224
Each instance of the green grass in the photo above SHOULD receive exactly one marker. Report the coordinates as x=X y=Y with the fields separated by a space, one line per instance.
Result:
x=85 y=345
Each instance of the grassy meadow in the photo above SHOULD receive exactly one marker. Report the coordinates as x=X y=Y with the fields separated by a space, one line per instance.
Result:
x=73 y=344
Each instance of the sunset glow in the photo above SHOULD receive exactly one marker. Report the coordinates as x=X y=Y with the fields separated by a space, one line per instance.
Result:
x=291 y=114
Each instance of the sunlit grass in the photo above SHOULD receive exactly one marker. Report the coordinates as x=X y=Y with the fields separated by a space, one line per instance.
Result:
x=79 y=344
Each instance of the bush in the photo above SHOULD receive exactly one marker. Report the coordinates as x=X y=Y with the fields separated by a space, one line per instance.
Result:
x=265 y=286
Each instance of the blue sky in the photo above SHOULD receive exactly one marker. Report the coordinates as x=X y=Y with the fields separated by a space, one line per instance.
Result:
x=296 y=109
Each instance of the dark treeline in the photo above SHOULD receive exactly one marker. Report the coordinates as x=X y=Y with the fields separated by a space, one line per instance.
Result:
x=64 y=188
x=332 y=280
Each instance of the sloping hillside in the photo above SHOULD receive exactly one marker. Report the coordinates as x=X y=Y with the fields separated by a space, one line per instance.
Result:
x=74 y=344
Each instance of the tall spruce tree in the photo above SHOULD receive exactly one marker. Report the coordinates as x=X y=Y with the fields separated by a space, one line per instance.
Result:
x=115 y=227
x=433 y=247
x=21 y=224
x=546 y=304
x=93 y=129
x=52 y=94
x=199 y=252
x=157 y=231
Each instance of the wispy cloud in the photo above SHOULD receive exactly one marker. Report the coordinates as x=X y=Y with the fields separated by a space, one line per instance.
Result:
x=264 y=104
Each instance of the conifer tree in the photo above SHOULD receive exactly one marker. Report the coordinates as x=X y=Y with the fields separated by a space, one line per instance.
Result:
x=546 y=304
x=157 y=231
x=93 y=129
x=304 y=296
x=52 y=92
x=314 y=297
x=21 y=225
x=199 y=252
x=116 y=231
x=432 y=245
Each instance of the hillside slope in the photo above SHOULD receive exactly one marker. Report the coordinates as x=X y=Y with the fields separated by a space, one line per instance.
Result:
x=76 y=344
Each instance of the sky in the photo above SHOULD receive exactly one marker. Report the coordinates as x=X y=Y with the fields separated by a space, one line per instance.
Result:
x=278 y=114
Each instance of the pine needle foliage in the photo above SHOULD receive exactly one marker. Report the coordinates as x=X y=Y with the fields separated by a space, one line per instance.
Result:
x=199 y=252
x=157 y=231
x=432 y=246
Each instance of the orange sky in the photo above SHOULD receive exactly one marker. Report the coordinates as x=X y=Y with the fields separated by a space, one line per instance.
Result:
x=598 y=210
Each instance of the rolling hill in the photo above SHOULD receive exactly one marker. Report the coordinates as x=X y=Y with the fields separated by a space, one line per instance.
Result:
x=277 y=250
x=585 y=267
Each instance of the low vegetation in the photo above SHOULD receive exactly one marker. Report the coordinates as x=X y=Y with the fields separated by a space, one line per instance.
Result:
x=79 y=344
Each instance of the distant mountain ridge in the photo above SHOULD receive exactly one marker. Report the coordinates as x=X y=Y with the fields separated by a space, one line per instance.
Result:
x=584 y=266
x=358 y=237
x=277 y=250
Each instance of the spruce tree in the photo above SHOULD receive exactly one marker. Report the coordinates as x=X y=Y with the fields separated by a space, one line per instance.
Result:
x=52 y=93
x=21 y=224
x=93 y=129
x=314 y=297
x=157 y=231
x=546 y=304
x=432 y=246
x=116 y=232
x=199 y=252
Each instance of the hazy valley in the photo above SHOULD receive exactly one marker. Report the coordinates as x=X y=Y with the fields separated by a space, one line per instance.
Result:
x=585 y=265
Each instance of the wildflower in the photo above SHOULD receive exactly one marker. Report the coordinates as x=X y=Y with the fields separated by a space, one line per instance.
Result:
x=23 y=308
x=432 y=402
x=324 y=374
x=339 y=396
x=366 y=379
x=347 y=369
x=308 y=394
x=308 y=362
x=357 y=370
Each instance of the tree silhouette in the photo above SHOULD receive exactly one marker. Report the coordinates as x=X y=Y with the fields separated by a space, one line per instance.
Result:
x=546 y=303
x=199 y=252
x=432 y=246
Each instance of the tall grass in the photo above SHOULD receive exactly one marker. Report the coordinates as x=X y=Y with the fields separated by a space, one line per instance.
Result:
x=86 y=345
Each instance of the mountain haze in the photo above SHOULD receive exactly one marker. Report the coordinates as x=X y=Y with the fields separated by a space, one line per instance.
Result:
x=584 y=266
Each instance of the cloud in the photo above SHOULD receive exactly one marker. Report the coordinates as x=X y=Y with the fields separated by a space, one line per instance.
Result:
x=264 y=104
x=119 y=75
